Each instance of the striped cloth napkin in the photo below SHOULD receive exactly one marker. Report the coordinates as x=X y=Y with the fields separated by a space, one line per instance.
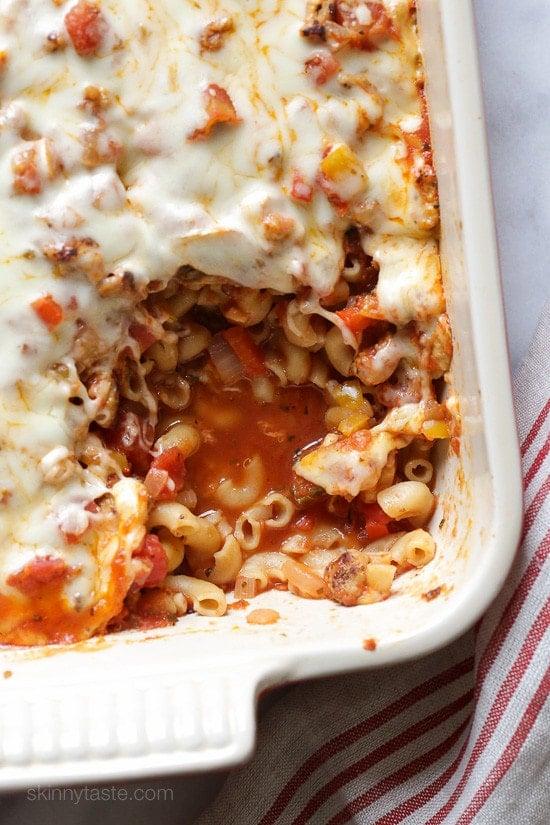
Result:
x=462 y=736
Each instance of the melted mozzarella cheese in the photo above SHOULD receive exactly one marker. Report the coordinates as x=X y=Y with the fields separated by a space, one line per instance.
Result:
x=409 y=283
x=346 y=466
x=127 y=176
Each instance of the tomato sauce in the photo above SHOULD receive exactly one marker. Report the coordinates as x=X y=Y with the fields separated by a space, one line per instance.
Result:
x=235 y=426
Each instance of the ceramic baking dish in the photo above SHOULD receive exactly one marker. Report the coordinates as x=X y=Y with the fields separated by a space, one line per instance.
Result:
x=183 y=699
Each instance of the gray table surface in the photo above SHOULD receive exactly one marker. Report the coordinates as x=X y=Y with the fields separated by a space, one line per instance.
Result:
x=514 y=40
x=515 y=63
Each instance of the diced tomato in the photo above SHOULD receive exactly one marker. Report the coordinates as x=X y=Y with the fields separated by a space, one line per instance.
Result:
x=132 y=436
x=166 y=475
x=38 y=573
x=173 y=461
x=143 y=335
x=159 y=485
x=376 y=530
x=376 y=521
x=48 y=310
x=153 y=553
x=71 y=538
x=301 y=190
x=246 y=350
x=321 y=66
x=354 y=320
x=365 y=36
x=219 y=109
x=86 y=27
x=373 y=512
x=382 y=25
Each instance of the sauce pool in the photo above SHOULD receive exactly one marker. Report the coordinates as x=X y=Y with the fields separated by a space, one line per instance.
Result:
x=235 y=426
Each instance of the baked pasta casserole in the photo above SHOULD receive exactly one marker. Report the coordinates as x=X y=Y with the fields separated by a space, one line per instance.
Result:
x=221 y=306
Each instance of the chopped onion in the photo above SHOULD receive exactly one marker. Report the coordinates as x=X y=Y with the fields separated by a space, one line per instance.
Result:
x=224 y=359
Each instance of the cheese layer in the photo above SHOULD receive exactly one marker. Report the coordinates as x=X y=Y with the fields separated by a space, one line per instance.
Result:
x=113 y=150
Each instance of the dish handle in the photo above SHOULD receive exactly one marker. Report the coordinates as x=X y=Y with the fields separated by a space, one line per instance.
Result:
x=158 y=723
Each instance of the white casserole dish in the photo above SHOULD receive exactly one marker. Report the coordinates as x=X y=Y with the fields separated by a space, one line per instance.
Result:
x=183 y=699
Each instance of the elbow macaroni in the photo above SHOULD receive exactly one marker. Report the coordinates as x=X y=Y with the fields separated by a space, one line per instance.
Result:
x=226 y=565
x=206 y=598
x=415 y=549
x=197 y=533
x=237 y=497
x=411 y=500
